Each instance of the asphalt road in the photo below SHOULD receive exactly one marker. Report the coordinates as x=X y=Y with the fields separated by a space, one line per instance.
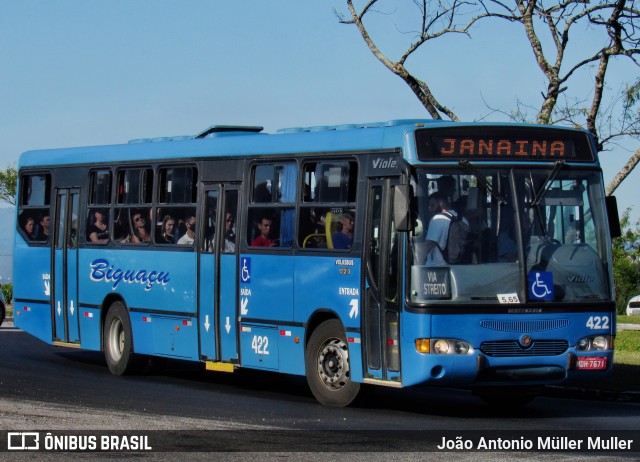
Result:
x=51 y=388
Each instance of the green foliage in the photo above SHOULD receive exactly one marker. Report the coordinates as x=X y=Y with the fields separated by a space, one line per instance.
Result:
x=7 y=291
x=628 y=341
x=623 y=319
x=8 y=182
x=632 y=94
x=626 y=262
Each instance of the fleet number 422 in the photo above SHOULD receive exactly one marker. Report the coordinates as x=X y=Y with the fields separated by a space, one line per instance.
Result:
x=598 y=322
x=260 y=344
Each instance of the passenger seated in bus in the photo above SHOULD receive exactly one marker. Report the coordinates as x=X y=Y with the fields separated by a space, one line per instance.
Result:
x=180 y=227
x=190 y=234
x=98 y=229
x=229 y=233
x=29 y=228
x=263 y=240
x=140 y=232
x=43 y=231
x=343 y=239
x=262 y=193
x=167 y=233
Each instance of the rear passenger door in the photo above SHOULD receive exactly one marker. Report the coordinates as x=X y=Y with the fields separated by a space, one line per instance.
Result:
x=218 y=263
x=65 y=263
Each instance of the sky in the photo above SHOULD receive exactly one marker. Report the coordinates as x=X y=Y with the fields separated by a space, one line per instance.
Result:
x=93 y=72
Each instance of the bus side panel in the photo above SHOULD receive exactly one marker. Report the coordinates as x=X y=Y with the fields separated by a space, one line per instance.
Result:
x=259 y=346
x=160 y=335
x=291 y=348
x=142 y=326
x=267 y=292
x=146 y=280
x=90 y=333
x=354 y=340
x=332 y=284
x=32 y=289
x=175 y=336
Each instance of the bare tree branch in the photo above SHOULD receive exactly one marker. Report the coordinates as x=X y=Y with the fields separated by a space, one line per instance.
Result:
x=434 y=24
x=623 y=173
x=617 y=20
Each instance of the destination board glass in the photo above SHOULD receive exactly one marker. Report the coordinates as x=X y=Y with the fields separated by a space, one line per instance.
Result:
x=506 y=143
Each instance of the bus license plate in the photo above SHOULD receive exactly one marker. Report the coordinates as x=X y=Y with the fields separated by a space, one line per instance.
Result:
x=591 y=364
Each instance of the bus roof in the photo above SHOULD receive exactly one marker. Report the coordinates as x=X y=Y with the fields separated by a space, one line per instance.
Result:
x=240 y=141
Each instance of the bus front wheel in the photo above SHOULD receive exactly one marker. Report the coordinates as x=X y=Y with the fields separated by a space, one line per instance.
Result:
x=118 y=341
x=328 y=367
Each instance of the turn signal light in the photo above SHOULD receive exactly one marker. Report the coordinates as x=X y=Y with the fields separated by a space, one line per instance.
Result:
x=423 y=345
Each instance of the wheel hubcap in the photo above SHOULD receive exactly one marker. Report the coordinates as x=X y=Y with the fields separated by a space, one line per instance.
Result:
x=116 y=339
x=333 y=364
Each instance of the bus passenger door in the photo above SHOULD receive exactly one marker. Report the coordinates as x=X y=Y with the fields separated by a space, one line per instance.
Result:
x=381 y=315
x=217 y=275
x=65 y=268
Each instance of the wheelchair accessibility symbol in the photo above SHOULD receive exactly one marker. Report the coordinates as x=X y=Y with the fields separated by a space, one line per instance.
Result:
x=245 y=270
x=541 y=285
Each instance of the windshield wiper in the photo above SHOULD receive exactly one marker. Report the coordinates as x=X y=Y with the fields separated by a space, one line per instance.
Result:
x=482 y=179
x=540 y=193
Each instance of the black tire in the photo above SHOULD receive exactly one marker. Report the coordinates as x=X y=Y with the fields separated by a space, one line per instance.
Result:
x=2 y=313
x=328 y=367
x=118 y=341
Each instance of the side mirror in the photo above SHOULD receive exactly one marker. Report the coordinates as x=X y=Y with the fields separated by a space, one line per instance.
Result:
x=402 y=194
x=612 y=215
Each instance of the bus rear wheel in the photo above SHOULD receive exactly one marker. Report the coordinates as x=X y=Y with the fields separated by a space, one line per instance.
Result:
x=328 y=367
x=118 y=341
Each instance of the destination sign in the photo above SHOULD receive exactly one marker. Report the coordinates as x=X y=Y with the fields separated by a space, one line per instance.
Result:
x=503 y=143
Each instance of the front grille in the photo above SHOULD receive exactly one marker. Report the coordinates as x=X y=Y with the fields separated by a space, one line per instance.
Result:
x=537 y=325
x=508 y=348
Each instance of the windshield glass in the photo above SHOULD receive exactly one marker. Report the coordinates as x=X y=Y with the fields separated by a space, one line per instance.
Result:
x=509 y=236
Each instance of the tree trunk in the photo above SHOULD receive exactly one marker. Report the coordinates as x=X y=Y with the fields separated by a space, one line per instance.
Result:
x=623 y=173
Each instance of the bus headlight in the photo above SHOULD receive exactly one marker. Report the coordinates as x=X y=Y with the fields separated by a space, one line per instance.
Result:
x=444 y=346
x=441 y=347
x=447 y=346
x=600 y=342
x=595 y=343
x=462 y=348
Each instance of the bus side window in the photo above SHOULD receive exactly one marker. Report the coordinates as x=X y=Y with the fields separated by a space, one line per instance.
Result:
x=327 y=212
x=98 y=225
x=34 y=207
x=273 y=185
x=176 y=220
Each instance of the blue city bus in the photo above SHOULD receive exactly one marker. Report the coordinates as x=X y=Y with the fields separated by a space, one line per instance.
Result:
x=310 y=252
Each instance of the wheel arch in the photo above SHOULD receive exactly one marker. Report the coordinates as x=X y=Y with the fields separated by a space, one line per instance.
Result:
x=104 y=309
x=318 y=317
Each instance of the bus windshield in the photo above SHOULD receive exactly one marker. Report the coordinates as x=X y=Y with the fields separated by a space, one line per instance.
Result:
x=535 y=235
